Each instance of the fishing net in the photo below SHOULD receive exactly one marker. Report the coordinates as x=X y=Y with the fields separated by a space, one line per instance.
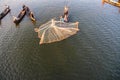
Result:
x=53 y=31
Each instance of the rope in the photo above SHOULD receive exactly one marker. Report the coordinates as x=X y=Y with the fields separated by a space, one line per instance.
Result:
x=67 y=2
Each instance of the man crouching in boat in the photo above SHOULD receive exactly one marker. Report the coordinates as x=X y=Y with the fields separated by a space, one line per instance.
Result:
x=62 y=18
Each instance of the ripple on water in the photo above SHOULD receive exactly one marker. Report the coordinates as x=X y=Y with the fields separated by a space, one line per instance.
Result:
x=91 y=54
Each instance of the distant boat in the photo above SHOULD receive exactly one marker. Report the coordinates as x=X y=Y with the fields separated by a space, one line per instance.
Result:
x=112 y=2
x=18 y=19
x=32 y=18
x=4 y=13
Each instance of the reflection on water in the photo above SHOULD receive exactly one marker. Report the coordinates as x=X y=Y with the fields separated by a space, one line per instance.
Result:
x=91 y=54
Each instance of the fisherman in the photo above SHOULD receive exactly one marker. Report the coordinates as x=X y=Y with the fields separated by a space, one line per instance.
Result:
x=62 y=18
x=65 y=10
x=66 y=14
x=25 y=8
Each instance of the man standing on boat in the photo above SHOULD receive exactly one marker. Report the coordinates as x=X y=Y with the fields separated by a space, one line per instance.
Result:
x=66 y=14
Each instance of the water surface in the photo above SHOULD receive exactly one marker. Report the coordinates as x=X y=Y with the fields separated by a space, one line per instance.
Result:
x=92 y=54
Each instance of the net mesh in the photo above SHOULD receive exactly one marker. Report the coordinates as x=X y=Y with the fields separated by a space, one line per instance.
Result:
x=53 y=31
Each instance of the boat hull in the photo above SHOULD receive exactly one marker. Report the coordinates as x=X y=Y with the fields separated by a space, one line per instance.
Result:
x=20 y=16
x=4 y=13
x=114 y=3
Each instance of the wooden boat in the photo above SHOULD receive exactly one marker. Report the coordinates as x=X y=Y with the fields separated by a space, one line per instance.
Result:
x=112 y=2
x=4 y=13
x=30 y=14
x=20 y=17
x=32 y=18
